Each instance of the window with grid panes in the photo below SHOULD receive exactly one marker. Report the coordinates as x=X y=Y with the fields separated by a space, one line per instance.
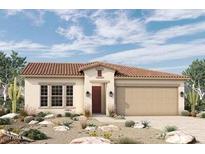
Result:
x=57 y=95
x=44 y=95
x=69 y=95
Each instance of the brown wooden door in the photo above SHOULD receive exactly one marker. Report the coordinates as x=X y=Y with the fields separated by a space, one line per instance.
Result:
x=96 y=99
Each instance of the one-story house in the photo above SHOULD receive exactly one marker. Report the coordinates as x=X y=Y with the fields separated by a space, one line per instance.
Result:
x=100 y=87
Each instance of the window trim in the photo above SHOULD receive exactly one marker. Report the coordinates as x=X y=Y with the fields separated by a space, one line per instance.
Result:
x=44 y=96
x=68 y=96
x=49 y=95
x=57 y=96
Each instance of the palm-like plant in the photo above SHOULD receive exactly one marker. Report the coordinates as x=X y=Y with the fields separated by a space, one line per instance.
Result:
x=14 y=93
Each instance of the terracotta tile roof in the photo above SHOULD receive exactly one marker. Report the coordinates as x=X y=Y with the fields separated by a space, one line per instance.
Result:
x=76 y=70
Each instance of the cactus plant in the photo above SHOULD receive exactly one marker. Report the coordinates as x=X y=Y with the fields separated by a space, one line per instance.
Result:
x=14 y=92
x=193 y=98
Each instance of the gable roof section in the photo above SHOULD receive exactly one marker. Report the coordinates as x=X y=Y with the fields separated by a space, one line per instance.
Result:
x=76 y=70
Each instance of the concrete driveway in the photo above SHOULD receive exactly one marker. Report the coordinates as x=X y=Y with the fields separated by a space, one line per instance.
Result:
x=193 y=126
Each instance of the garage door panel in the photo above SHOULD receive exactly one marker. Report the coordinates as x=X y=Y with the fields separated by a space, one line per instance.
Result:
x=147 y=100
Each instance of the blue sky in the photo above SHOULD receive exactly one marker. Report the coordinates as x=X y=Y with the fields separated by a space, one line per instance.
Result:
x=167 y=40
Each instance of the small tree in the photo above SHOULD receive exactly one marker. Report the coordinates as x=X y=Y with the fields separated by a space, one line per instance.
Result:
x=14 y=92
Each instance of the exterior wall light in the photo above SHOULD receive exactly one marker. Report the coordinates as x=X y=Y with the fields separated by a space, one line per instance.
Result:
x=87 y=93
x=182 y=94
x=111 y=94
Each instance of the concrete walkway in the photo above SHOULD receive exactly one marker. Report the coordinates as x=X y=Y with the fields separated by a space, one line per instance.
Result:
x=193 y=126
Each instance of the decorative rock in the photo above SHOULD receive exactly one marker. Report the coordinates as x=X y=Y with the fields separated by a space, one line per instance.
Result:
x=9 y=115
x=179 y=137
x=61 y=128
x=33 y=122
x=49 y=116
x=138 y=125
x=90 y=140
x=109 y=128
x=45 y=122
x=88 y=128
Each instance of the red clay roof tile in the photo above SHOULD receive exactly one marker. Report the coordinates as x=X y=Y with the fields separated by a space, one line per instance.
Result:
x=76 y=70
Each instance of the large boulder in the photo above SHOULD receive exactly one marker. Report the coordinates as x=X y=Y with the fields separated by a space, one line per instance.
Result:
x=90 y=140
x=108 y=128
x=49 y=116
x=9 y=115
x=61 y=128
x=45 y=123
x=179 y=137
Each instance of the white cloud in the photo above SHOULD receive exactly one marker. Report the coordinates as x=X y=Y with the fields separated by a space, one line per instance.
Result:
x=156 y=53
x=170 y=15
x=35 y=16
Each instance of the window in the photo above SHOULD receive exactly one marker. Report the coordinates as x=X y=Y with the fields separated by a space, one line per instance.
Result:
x=99 y=73
x=44 y=95
x=56 y=98
x=69 y=95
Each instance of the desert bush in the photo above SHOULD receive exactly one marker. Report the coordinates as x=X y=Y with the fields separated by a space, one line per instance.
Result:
x=28 y=119
x=2 y=111
x=13 y=129
x=5 y=121
x=68 y=114
x=146 y=124
x=129 y=123
x=170 y=128
x=59 y=115
x=185 y=113
x=111 y=111
x=67 y=123
x=91 y=125
x=39 y=119
x=41 y=114
x=203 y=115
x=23 y=113
x=34 y=134
x=87 y=111
x=126 y=140
x=107 y=135
x=93 y=133
x=83 y=123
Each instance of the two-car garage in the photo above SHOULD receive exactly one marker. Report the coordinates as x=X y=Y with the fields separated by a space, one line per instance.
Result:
x=147 y=100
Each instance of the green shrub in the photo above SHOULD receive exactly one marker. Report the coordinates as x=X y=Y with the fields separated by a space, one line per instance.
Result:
x=185 y=113
x=203 y=115
x=146 y=124
x=28 y=119
x=34 y=134
x=107 y=135
x=93 y=133
x=41 y=114
x=67 y=123
x=59 y=115
x=129 y=123
x=23 y=113
x=126 y=140
x=68 y=114
x=170 y=128
x=39 y=119
x=91 y=125
x=5 y=121
x=2 y=111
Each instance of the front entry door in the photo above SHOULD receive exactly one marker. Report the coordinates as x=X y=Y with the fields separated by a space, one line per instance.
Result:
x=96 y=99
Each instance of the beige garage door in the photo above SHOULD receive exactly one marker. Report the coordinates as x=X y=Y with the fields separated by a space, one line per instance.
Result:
x=147 y=100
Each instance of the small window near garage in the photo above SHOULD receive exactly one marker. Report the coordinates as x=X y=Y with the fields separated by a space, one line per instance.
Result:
x=99 y=73
x=69 y=95
x=44 y=95
x=57 y=95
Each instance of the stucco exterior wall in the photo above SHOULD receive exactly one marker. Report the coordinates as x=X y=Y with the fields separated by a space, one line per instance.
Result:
x=162 y=83
x=107 y=80
x=32 y=94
